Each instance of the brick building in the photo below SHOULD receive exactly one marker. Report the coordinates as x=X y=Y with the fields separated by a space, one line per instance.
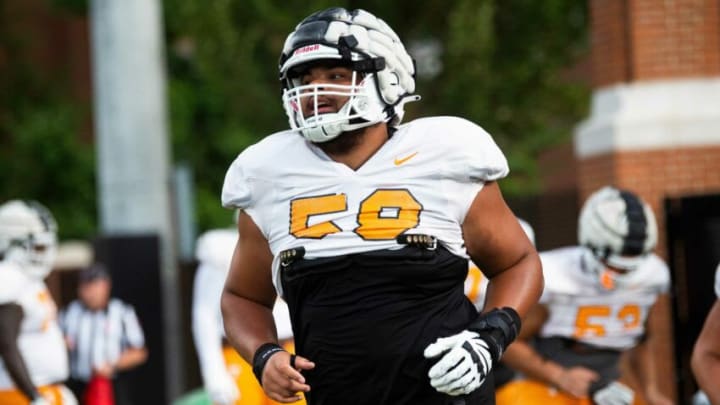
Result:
x=654 y=128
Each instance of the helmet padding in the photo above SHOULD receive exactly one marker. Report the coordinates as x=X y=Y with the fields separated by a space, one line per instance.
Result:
x=385 y=78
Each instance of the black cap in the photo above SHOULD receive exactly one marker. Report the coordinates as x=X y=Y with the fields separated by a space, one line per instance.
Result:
x=97 y=271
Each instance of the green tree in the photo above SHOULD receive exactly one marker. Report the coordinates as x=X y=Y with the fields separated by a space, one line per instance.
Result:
x=503 y=63
x=503 y=66
x=42 y=155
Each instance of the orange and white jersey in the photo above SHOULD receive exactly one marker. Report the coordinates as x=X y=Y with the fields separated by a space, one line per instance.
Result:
x=40 y=341
x=475 y=286
x=421 y=181
x=214 y=251
x=581 y=309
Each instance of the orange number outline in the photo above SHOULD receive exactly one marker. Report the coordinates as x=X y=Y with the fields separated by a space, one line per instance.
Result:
x=475 y=278
x=628 y=314
x=374 y=227
x=371 y=226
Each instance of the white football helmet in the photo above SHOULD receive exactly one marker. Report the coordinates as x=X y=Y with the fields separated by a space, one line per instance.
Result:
x=619 y=231
x=383 y=72
x=28 y=236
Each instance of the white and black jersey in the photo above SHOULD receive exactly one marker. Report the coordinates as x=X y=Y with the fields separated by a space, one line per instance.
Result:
x=99 y=337
x=363 y=305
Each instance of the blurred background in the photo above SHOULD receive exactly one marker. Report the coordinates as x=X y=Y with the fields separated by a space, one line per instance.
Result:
x=123 y=116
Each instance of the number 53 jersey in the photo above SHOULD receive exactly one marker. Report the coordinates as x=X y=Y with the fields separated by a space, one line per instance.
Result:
x=421 y=181
x=581 y=309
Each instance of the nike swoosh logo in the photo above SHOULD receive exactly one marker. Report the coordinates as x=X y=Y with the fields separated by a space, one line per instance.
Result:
x=400 y=161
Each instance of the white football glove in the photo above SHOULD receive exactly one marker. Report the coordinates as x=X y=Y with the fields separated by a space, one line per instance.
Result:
x=40 y=401
x=222 y=389
x=465 y=362
x=614 y=393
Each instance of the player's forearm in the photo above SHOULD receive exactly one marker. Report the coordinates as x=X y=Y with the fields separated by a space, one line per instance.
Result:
x=19 y=373
x=248 y=324
x=705 y=360
x=10 y=318
x=643 y=362
x=519 y=286
x=130 y=358
x=706 y=367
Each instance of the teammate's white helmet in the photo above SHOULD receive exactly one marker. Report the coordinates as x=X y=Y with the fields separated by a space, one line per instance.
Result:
x=383 y=72
x=28 y=236
x=619 y=230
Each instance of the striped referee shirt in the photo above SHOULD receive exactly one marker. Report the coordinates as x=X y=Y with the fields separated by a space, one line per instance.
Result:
x=99 y=337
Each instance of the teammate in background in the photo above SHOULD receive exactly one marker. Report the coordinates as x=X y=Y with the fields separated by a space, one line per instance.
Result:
x=706 y=353
x=600 y=299
x=34 y=359
x=365 y=226
x=228 y=379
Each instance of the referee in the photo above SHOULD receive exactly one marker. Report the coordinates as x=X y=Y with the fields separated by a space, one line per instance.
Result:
x=104 y=337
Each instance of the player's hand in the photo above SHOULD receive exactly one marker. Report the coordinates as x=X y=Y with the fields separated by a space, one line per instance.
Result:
x=614 y=393
x=104 y=370
x=576 y=381
x=222 y=389
x=283 y=382
x=464 y=364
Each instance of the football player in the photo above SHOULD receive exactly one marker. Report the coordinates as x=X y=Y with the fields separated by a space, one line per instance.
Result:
x=601 y=299
x=34 y=358
x=364 y=226
x=228 y=379
x=706 y=353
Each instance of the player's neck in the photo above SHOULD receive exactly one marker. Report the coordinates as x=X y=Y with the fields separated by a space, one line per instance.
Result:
x=355 y=148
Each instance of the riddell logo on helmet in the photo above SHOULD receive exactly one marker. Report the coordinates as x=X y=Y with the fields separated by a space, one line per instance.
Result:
x=306 y=49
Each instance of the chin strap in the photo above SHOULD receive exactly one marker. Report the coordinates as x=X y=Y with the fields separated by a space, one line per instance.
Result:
x=498 y=328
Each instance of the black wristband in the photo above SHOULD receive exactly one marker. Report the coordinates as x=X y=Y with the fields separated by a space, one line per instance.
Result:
x=261 y=356
x=498 y=328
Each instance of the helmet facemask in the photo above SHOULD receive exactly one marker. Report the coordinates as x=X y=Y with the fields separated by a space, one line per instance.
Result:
x=28 y=237
x=35 y=254
x=362 y=108
x=612 y=271
x=383 y=73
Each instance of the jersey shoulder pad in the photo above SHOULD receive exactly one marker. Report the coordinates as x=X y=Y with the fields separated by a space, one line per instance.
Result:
x=215 y=248
x=561 y=270
x=465 y=146
x=13 y=282
x=252 y=166
x=654 y=273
